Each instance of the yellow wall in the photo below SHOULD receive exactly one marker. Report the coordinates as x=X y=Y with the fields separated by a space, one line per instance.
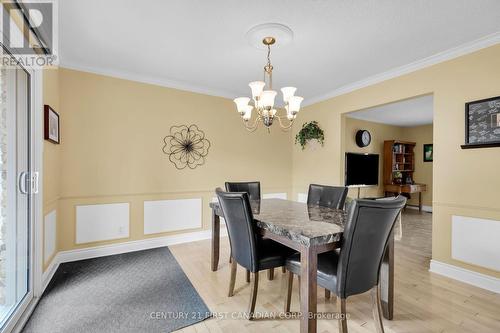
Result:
x=464 y=181
x=423 y=170
x=381 y=133
x=113 y=132
x=51 y=152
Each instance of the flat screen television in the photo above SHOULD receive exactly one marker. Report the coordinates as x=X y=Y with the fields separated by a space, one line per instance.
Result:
x=361 y=169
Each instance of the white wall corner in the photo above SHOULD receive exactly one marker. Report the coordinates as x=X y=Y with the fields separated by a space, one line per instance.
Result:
x=464 y=275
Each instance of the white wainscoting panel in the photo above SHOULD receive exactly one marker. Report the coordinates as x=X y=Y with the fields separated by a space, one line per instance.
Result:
x=274 y=196
x=171 y=215
x=102 y=222
x=49 y=235
x=476 y=241
x=302 y=197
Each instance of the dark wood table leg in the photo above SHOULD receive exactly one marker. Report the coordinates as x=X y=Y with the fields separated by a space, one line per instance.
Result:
x=387 y=280
x=308 y=289
x=215 y=240
x=420 y=201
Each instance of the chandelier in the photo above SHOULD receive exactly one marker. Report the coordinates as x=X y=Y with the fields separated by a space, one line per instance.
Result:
x=263 y=97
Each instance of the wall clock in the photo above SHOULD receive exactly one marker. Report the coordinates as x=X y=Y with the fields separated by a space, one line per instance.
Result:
x=363 y=138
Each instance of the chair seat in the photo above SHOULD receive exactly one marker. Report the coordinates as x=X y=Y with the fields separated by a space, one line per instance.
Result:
x=272 y=254
x=327 y=268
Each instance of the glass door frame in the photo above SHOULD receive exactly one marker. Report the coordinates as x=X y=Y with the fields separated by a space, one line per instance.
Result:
x=35 y=289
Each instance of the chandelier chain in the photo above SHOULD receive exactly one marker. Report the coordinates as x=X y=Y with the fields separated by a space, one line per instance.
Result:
x=269 y=56
x=268 y=69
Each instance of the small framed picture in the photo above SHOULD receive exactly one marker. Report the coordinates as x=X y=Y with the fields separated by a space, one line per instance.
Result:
x=428 y=153
x=51 y=125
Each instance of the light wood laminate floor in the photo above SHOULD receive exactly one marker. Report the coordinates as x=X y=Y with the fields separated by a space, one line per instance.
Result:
x=424 y=302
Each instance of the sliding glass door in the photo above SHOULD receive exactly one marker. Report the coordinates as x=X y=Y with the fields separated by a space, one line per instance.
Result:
x=15 y=192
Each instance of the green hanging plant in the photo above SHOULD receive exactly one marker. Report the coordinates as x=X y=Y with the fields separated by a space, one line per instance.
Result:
x=310 y=131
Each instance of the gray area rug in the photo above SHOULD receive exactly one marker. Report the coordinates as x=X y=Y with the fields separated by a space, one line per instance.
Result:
x=144 y=291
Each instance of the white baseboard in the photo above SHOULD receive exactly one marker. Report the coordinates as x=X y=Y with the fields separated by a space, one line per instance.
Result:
x=464 y=275
x=132 y=246
x=427 y=209
x=48 y=274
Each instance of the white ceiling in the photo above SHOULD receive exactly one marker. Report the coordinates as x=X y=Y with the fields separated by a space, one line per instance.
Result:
x=412 y=112
x=200 y=45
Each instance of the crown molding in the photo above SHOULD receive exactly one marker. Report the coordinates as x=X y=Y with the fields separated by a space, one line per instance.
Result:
x=158 y=81
x=449 y=54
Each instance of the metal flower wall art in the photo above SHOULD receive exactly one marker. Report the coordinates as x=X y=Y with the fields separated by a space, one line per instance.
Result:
x=186 y=146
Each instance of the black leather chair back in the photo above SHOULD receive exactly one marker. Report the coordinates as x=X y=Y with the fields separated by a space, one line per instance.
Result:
x=327 y=196
x=369 y=225
x=240 y=226
x=252 y=188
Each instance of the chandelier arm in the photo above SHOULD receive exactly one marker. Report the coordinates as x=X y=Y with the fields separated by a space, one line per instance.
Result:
x=284 y=127
x=253 y=127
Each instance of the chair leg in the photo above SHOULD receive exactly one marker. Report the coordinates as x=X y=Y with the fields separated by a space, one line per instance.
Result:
x=341 y=311
x=298 y=278
x=283 y=269
x=232 y=279
x=248 y=276
x=327 y=294
x=270 y=274
x=377 y=309
x=289 y=287
x=253 y=296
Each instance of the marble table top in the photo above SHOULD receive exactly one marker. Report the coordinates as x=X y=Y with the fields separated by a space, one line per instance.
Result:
x=308 y=225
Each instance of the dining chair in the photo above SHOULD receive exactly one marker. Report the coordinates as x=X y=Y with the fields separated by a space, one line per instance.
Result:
x=248 y=248
x=354 y=269
x=253 y=190
x=327 y=196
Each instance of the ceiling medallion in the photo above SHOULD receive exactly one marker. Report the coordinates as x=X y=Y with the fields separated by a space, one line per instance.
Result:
x=263 y=95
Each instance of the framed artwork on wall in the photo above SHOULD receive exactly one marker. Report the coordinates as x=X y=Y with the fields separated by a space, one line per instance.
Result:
x=51 y=125
x=482 y=123
x=428 y=152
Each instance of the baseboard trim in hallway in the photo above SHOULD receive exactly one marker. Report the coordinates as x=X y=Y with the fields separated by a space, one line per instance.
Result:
x=464 y=275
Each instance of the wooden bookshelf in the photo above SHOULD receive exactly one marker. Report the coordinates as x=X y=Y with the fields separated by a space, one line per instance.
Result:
x=399 y=157
x=399 y=160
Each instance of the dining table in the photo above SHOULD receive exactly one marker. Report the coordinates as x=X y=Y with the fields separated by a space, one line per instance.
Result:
x=310 y=230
